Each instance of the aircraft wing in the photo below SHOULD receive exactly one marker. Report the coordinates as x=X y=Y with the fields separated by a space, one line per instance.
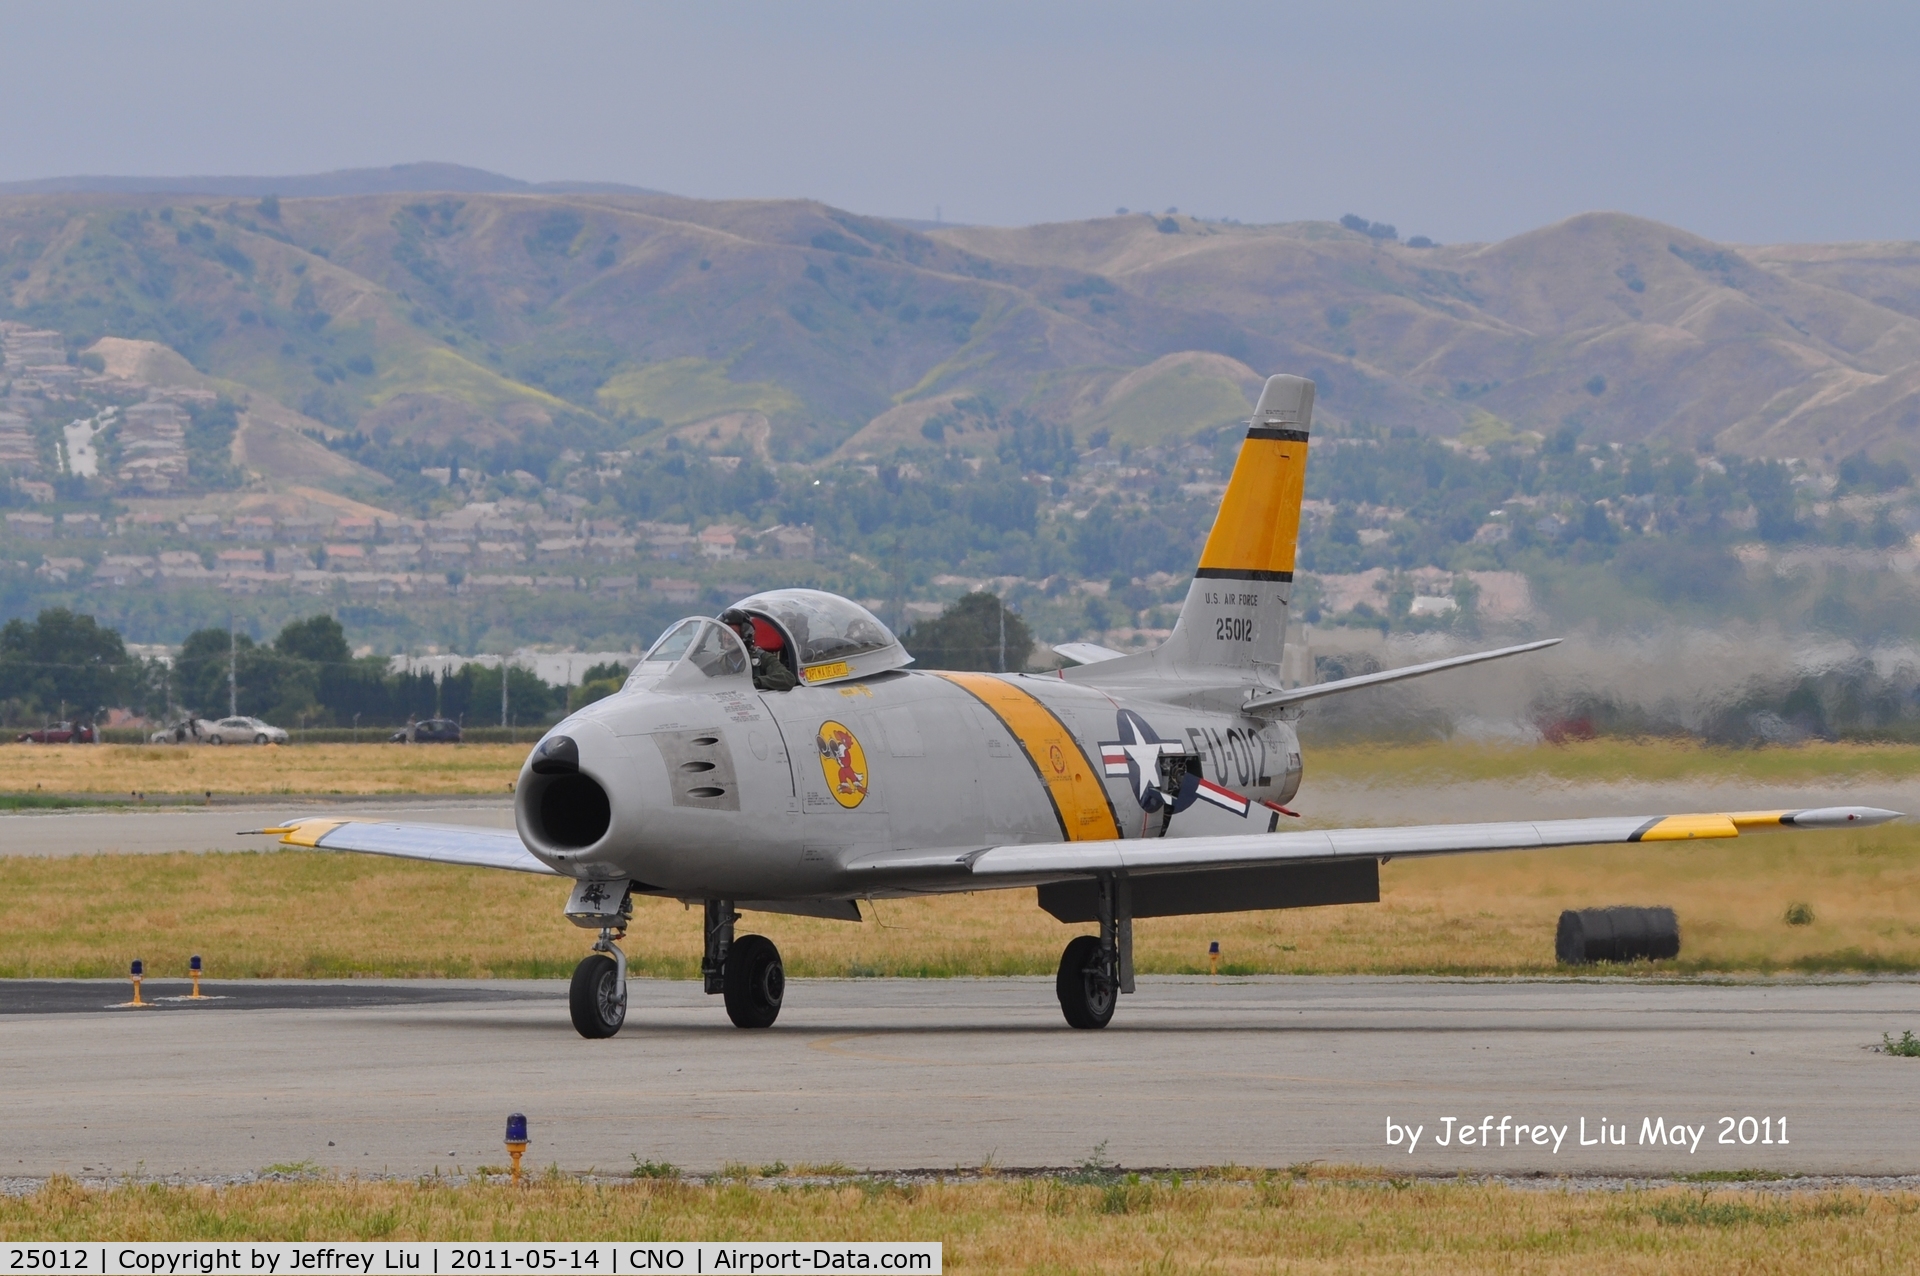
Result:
x=440 y=843
x=1052 y=861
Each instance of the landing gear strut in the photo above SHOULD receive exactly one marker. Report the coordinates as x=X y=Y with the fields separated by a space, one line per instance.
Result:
x=747 y=971
x=1095 y=969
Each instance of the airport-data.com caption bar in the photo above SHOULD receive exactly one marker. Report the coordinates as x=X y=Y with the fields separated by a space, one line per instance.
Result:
x=430 y=1258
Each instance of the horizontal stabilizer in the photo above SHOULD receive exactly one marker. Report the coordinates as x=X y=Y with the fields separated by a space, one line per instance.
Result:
x=1281 y=699
x=1087 y=653
x=439 y=843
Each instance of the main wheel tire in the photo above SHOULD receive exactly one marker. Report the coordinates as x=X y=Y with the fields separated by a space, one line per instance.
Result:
x=755 y=982
x=214 y=739
x=596 y=1000
x=1086 y=994
x=261 y=738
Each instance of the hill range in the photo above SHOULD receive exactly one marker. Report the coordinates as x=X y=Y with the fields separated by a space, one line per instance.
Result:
x=458 y=318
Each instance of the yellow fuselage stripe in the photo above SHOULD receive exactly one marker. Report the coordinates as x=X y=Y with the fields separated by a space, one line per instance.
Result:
x=1258 y=525
x=1072 y=782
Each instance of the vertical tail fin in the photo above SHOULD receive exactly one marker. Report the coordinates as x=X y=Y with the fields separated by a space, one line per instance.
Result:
x=1234 y=622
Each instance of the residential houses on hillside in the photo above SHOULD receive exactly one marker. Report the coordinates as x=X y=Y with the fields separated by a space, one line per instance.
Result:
x=485 y=546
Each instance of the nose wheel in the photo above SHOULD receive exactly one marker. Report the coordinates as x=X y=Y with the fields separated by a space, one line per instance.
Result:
x=598 y=998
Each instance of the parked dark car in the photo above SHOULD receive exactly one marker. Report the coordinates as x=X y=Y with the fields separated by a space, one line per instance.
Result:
x=59 y=733
x=432 y=731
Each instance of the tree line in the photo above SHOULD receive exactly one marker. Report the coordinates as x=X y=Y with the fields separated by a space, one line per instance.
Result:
x=65 y=664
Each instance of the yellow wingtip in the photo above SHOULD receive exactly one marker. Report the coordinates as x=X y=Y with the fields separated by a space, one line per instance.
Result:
x=305 y=832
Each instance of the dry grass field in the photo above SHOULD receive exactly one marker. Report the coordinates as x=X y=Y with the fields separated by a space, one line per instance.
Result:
x=1323 y=1221
x=304 y=913
x=1607 y=761
x=120 y=769
x=113 y=769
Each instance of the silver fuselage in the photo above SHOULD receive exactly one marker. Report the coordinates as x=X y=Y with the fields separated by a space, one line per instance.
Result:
x=720 y=791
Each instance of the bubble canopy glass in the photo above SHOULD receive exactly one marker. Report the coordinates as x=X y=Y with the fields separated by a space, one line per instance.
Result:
x=833 y=638
x=827 y=632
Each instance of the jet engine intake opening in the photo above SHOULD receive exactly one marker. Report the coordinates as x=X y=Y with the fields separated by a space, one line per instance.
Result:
x=572 y=811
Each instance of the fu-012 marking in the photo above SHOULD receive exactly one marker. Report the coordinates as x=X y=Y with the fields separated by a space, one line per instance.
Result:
x=1233 y=757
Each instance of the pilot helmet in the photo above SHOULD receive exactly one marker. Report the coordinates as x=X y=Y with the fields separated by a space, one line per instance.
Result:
x=740 y=622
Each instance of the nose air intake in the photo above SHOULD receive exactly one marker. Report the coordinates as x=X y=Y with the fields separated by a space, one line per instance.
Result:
x=570 y=809
x=573 y=811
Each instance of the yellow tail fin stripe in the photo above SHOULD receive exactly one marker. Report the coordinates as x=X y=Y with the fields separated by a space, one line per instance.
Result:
x=1258 y=526
x=1073 y=783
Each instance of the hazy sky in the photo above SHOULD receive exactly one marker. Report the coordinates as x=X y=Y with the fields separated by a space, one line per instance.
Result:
x=1744 y=122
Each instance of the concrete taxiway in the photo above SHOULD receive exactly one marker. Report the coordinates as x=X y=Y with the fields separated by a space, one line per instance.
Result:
x=160 y=829
x=898 y=1074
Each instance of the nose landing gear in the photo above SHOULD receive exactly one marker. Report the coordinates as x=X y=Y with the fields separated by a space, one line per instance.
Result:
x=598 y=998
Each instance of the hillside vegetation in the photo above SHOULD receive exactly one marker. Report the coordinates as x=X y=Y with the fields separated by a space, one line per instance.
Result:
x=515 y=323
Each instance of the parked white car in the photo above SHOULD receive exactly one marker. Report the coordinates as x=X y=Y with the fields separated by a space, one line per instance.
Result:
x=185 y=731
x=244 y=731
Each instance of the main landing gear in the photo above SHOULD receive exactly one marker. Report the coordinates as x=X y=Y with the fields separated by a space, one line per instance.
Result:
x=746 y=971
x=1095 y=969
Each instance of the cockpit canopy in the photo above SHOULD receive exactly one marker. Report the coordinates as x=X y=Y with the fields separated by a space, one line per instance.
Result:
x=831 y=638
x=825 y=638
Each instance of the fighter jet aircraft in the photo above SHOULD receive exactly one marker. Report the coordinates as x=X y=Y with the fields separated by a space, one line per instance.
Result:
x=785 y=758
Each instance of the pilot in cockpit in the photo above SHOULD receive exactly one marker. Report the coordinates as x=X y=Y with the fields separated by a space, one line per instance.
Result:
x=765 y=648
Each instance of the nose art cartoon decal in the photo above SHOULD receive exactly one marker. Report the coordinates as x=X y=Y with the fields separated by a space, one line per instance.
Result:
x=844 y=764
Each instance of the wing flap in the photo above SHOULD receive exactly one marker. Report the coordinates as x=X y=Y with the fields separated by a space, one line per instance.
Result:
x=438 y=843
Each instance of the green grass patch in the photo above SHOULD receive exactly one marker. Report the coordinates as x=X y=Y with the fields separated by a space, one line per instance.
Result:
x=680 y=391
x=1732 y=1176
x=51 y=801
